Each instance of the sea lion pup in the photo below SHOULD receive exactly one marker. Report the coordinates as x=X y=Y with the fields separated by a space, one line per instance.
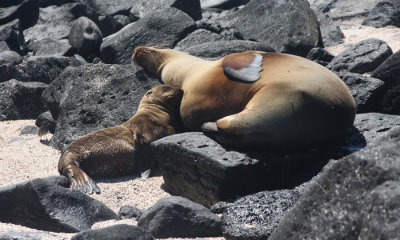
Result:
x=255 y=99
x=113 y=151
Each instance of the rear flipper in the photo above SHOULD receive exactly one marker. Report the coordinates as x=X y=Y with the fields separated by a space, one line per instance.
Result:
x=80 y=180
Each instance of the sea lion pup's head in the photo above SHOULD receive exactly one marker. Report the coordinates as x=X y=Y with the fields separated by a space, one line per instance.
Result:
x=164 y=96
x=152 y=60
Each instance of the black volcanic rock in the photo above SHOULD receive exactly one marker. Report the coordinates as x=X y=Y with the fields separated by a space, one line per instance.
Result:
x=222 y=4
x=179 y=217
x=363 y=57
x=93 y=96
x=86 y=37
x=389 y=72
x=50 y=47
x=29 y=236
x=48 y=204
x=27 y=11
x=12 y=34
x=343 y=9
x=219 y=49
x=10 y=57
x=320 y=55
x=385 y=12
x=119 y=231
x=20 y=100
x=287 y=26
x=355 y=198
x=330 y=31
x=162 y=28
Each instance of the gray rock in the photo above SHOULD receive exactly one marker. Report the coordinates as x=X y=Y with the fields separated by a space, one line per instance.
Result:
x=162 y=28
x=55 y=21
x=355 y=198
x=29 y=236
x=109 y=25
x=141 y=8
x=46 y=116
x=196 y=167
x=86 y=37
x=366 y=91
x=93 y=96
x=198 y=37
x=222 y=4
x=363 y=57
x=48 y=204
x=20 y=100
x=343 y=9
x=10 y=57
x=30 y=130
x=110 y=8
x=12 y=34
x=218 y=49
x=50 y=47
x=320 y=55
x=39 y=69
x=27 y=11
x=385 y=12
x=330 y=31
x=179 y=217
x=389 y=72
x=287 y=26
x=46 y=3
x=256 y=216
x=4 y=46
x=119 y=231
x=129 y=212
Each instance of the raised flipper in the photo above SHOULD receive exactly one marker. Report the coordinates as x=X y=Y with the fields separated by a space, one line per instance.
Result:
x=243 y=67
x=80 y=180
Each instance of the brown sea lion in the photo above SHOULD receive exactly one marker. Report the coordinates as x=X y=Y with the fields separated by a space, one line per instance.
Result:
x=255 y=99
x=113 y=151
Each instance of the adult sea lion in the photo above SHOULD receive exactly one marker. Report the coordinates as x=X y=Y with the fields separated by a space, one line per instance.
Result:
x=255 y=99
x=113 y=151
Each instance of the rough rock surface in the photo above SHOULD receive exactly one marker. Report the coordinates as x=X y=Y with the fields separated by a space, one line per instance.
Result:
x=120 y=232
x=356 y=197
x=26 y=11
x=179 y=217
x=48 y=204
x=196 y=167
x=12 y=35
x=50 y=47
x=256 y=216
x=366 y=91
x=93 y=96
x=10 y=57
x=219 y=49
x=162 y=28
x=127 y=211
x=20 y=100
x=287 y=26
x=85 y=36
x=46 y=117
x=28 y=236
x=222 y=4
x=389 y=72
x=364 y=57
x=385 y=12
x=320 y=55
x=330 y=31
x=343 y=9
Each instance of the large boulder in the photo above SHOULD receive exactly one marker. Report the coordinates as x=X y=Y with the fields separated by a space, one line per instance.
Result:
x=389 y=72
x=343 y=9
x=330 y=31
x=219 y=49
x=320 y=56
x=50 y=47
x=119 y=231
x=385 y=12
x=21 y=100
x=12 y=35
x=26 y=11
x=179 y=217
x=162 y=28
x=196 y=167
x=222 y=4
x=93 y=96
x=48 y=204
x=256 y=216
x=85 y=36
x=363 y=57
x=367 y=91
x=287 y=26
x=29 y=236
x=355 y=198
x=10 y=58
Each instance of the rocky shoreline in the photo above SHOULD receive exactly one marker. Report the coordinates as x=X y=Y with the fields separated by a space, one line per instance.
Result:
x=68 y=63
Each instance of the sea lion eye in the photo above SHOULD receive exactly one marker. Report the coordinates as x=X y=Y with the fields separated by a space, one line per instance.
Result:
x=149 y=93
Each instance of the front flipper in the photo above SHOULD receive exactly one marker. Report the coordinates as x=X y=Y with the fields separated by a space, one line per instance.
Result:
x=211 y=130
x=243 y=67
x=80 y=180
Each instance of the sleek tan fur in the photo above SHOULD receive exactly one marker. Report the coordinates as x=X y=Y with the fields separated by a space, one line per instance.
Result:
x=113 y=151
x=296 y=102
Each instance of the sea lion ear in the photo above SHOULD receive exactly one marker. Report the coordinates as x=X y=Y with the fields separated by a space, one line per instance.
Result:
x=243 y=67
